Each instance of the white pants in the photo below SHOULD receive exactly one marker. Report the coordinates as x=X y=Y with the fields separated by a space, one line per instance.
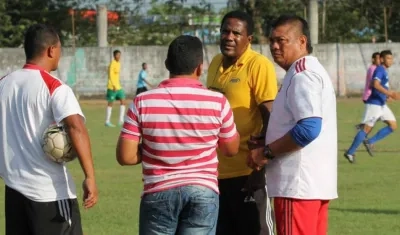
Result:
x=375 y=112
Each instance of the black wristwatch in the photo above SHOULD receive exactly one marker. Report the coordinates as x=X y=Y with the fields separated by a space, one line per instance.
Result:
x=268 y=153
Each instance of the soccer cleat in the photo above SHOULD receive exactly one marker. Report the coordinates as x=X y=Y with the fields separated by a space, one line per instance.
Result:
x=109 y=124
x=120 y=123
x=368 y=146
x=351 y=158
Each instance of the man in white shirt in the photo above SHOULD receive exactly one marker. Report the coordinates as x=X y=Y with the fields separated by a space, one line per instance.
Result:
x=40 y=194
x=301 y=141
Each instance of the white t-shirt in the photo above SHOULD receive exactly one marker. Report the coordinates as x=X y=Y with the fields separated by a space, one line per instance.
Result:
x=310 y=173
x=30 y=100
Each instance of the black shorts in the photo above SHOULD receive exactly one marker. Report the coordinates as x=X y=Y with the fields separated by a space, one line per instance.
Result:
x=141 y=90
x=244 y=213
x=26 y=217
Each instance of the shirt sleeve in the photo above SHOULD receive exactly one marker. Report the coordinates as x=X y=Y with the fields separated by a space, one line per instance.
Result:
x=64 y=103
x=113 y=71
x=131 y=128
x=379 y=74
x=306 y=131
x=304 y=95
x=263 y=80
x=143 y=75
x=228 y=128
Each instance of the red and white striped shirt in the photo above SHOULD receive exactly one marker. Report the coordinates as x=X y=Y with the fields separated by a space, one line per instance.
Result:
x=181 y=123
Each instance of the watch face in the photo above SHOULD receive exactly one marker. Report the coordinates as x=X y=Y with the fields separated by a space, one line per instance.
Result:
x=268 y=153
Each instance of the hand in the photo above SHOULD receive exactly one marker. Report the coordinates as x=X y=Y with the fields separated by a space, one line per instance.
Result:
x=394 y=95
x=256 y=159
x=90 y=193
x=255 y=142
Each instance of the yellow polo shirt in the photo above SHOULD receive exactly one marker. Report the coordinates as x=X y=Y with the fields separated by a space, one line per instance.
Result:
x=246 y=84
x=113 y=76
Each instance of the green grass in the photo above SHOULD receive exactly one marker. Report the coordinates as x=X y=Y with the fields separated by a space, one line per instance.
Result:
x=369 y=192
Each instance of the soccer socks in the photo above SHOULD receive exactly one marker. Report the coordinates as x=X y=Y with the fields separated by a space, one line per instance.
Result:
x=381 y=134
x=108 y=116
x=121 y=113
x=358 y=139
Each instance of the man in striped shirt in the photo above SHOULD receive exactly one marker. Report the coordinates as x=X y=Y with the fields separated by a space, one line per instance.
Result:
x=180 y=123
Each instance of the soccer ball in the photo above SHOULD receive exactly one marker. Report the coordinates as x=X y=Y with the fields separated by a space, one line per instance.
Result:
x=57 y=144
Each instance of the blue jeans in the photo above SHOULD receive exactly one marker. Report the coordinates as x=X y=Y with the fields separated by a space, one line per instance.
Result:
x=186 y=210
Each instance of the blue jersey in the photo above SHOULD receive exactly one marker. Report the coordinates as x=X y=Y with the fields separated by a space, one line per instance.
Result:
x=376 y=97
x=142 y=76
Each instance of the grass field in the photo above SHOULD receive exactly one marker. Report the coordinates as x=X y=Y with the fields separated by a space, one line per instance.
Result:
x=369 y=191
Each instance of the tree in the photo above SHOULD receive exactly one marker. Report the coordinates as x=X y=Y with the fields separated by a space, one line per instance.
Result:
x=265 y=11
x=17 y=16
x=359 y=20
x=161 y=23
x=6 y=27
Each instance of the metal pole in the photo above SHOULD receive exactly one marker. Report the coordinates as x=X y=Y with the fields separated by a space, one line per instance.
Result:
x=102 y=26
x=313 y=20
x=75 y=88
x=385 y=22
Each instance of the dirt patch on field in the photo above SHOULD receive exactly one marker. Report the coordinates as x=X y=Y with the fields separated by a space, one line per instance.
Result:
x=99 y=100
x=93 y=101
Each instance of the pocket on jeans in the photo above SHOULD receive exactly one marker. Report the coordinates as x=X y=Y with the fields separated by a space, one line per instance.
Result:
x=155 y=208
x=155 y=216
x=204 y=210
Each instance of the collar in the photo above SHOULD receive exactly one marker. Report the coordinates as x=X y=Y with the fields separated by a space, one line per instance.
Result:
x=180 y=82
x=34 y=67
x=242 y=59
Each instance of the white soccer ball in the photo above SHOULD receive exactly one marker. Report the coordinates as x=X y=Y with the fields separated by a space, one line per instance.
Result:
x=57 y=144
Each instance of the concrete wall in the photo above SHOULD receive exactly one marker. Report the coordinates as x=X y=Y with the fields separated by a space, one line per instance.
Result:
x=86 y=69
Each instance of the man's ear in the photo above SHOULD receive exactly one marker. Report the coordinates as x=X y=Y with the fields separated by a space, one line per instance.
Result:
x=166 y=64
x=50 y=51
x=303 y=41
x=199 y=70
x=250 y=38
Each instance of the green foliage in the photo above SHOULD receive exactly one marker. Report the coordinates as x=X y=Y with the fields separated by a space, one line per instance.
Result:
x=17 y=16
x=345 y=21
x=162 y=22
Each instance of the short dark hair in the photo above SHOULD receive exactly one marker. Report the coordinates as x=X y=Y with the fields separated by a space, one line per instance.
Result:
x=185 y=54
x=38 y=38
x=116 y=52
x=243 y=16
x=143 y=64
x=375 y=54
x=290 y=19
x=385 y=53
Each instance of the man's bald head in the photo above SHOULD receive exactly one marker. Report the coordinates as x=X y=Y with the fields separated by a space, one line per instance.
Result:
x=299 y=26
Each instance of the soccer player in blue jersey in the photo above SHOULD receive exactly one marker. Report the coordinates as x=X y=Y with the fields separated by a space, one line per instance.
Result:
x=376 y=108
x=142 y=80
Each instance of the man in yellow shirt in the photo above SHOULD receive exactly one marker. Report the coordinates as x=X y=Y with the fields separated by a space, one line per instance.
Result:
x=248 y=81
x=114 y=89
